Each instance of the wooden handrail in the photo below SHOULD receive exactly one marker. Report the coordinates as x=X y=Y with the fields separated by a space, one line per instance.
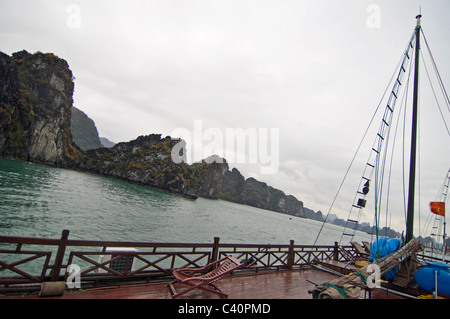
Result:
x=156 y=258
x=60 y=255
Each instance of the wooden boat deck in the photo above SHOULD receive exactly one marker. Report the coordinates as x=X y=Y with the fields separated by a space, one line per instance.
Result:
x=271 y=285
x=278 y=271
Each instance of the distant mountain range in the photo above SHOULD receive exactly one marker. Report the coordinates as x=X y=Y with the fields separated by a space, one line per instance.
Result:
x=106 y=143
x=85 y=133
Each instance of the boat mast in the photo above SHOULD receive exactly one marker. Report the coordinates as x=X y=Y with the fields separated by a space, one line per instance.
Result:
x=412 y=166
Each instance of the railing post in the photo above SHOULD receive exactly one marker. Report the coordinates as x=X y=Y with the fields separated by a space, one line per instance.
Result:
x=336 y=251
x=215 y=250
x=60 y=255
x=290 y=257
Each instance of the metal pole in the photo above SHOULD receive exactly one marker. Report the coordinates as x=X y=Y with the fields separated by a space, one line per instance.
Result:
x=444 y=249
x=412 y=166
x=435 y=294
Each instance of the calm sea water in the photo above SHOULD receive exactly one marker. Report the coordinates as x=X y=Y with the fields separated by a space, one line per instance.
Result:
x=41 y=201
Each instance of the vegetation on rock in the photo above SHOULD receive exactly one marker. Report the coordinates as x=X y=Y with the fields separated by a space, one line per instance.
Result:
x=36 y=113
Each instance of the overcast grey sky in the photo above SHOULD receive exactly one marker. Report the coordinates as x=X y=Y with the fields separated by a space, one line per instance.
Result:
x=313 y=70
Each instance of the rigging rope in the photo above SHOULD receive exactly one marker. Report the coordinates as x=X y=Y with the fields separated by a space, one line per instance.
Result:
x=381 y=162
x=441 y=196
x=404 y=140
x=435 y=97
x=384 y=131
x=400 y=62
x=404 y=98
x=441 y=83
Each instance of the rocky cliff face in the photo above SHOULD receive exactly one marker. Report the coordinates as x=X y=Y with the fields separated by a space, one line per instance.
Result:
x=208 y=177
x=35 y=108
x=254 y=193
x=233 y=185
x=35 y=119
x=145 y=161
x=84 y=132
x=9 y=87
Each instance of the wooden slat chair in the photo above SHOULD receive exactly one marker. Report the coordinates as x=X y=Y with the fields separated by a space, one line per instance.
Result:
x=346 y=254
x=366 y=246
x=360 y=250
x=197 y=278
x=352 y=257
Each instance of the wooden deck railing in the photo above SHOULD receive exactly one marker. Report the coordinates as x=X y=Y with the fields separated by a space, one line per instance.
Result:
x=25 y=261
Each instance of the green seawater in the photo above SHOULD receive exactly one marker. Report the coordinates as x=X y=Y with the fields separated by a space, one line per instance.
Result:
x=41 y=201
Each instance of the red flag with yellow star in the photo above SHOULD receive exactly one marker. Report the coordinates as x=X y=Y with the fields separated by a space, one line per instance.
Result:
x=438 y=208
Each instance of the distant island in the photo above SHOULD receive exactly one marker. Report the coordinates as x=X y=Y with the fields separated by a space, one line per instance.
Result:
x=38 y=123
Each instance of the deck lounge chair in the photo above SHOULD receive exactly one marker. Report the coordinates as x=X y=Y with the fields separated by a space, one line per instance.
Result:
x=197 y=278
x=366 y=246
x=360 y=250
x=353 y=256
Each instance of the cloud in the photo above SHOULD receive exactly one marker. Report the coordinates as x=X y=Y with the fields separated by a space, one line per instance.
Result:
x=314 y=70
